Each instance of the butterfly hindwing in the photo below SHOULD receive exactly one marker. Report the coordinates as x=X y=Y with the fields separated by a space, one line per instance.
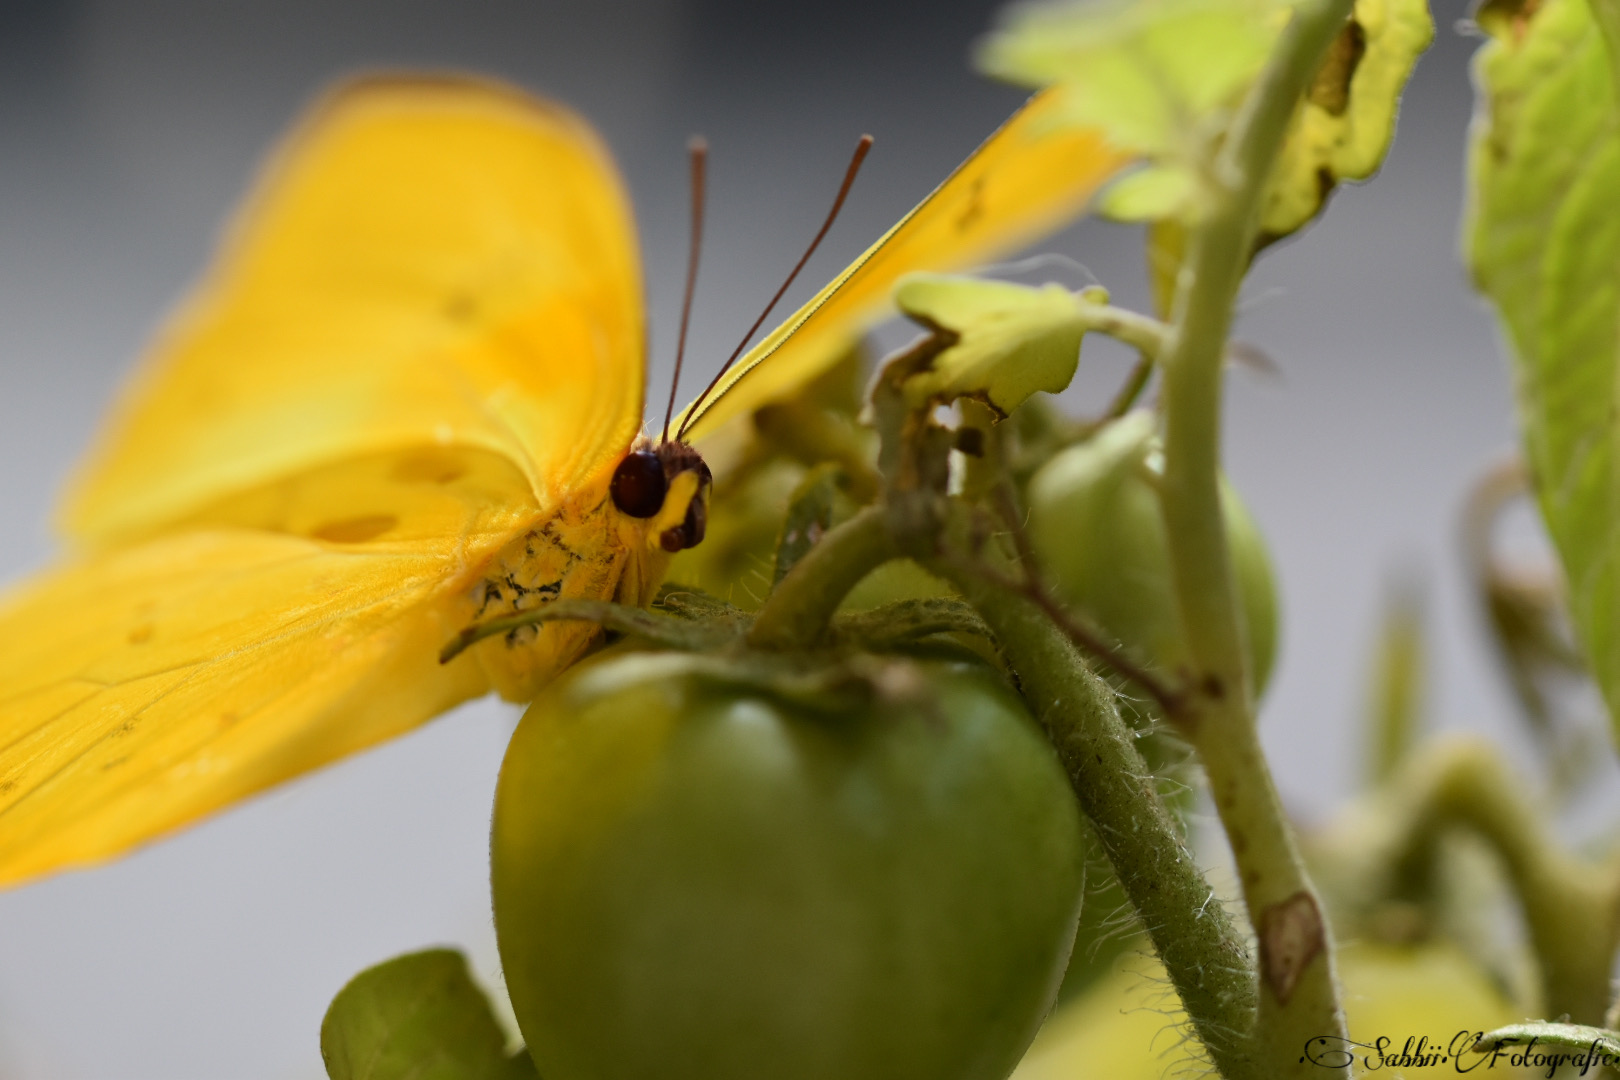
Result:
x=147 y=686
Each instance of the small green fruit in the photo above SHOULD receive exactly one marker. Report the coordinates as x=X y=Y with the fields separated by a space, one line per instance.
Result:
x=699 y=878
x=1097 y=526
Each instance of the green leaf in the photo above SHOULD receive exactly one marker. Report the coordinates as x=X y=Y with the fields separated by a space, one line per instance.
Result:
x=1009 y=340
x=1599 y=1042
x=1156 y=75
x=1151 y=194
x=1544 y=245
x=417 y=1017
x=1164 y=78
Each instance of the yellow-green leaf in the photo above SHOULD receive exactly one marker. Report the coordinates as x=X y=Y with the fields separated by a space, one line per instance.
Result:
x=1164 y=78
x=1543 y=241
x=1343 y=128
x=417 y=1017
x=1154 y=74
x=1011 y=340
x=1151 y=194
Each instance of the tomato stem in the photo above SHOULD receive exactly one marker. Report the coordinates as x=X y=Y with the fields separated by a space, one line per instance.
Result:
x=1090 y=641
x=1298 y=995
x=1201 y=949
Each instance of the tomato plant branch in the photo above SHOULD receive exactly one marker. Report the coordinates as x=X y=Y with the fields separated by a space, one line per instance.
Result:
x=1132 y=388
x=801 y=606
x=1088 y=640
x=1298 y=997
x=1571 y=908
x=1190 y=928
x=667 y=630
x=1143 y=333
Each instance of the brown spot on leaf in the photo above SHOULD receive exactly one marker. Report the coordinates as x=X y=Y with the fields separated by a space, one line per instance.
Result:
x=141 y=634
x=355 y=530
x=1507 y=18
x=1325 y=183
x=1291 y=936
x=1331 y=88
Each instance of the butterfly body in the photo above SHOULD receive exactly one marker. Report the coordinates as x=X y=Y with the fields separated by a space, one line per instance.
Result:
x=589 y=548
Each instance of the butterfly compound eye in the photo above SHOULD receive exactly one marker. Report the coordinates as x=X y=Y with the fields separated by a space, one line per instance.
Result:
x=638 y=484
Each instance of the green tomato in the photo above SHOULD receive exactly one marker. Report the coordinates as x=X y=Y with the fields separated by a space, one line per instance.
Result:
x=1097 y=526
x=697 y=877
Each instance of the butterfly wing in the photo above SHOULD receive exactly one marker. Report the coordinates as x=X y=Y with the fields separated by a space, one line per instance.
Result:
x=419 y=350
x=427 y=262
x=144 y=686
x=1027 y=179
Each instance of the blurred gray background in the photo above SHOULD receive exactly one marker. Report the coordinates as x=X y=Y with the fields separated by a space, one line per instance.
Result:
x=127 y=130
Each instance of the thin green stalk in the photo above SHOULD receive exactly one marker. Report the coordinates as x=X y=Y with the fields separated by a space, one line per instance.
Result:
x=1143 y=333
x=1201 y=950
x=1298 y=995
x=1397 y=704
x=1607 y=15
x=1571 y=909
x=801 y=606
x=1132 y=389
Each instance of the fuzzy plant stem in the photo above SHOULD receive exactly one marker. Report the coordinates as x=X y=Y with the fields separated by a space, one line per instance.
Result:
x=1298 y=995
x=1201 y=950
x=1571 y=909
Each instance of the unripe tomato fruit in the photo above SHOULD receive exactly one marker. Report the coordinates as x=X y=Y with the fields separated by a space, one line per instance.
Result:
x=695 y=877
x=1097 y=526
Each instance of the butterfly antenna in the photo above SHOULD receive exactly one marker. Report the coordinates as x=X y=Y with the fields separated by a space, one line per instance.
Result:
x=861 y=150
x=699 y=153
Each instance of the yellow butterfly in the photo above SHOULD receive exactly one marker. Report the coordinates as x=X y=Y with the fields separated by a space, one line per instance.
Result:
x=398 y=404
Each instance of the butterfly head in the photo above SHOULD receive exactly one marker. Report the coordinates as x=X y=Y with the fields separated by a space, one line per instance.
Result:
x=669 y=484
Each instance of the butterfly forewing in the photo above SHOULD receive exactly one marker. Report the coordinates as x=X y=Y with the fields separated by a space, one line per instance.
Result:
x=426 y=263
x=1027 y=179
